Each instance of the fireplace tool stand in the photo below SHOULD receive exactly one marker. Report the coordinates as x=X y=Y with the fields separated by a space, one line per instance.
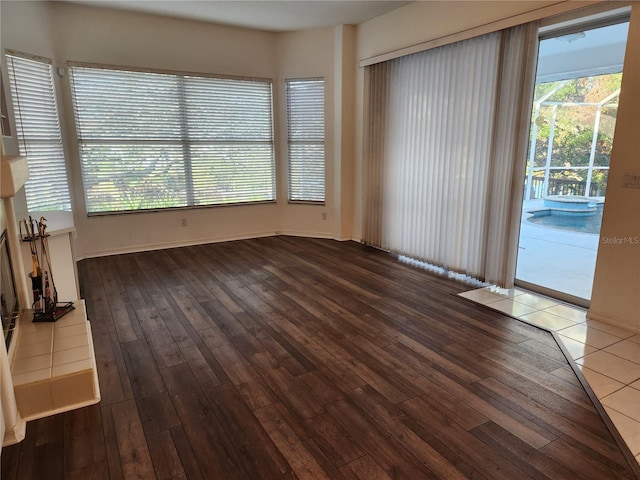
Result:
x=46 y=307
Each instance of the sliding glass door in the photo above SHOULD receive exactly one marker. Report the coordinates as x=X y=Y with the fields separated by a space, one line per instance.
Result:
x=573 y=119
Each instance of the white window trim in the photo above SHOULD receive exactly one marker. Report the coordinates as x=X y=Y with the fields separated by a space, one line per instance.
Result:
x=185 y=138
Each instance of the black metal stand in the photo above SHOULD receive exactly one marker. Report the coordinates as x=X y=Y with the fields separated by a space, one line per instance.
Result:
x=46 y=307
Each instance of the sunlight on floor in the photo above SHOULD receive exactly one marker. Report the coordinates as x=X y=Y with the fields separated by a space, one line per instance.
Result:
x=608 y=356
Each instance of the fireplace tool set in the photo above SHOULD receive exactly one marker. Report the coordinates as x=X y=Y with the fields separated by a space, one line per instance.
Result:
x=46 y=307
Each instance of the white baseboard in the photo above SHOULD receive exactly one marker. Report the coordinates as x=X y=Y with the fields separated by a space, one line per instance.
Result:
x=613 y=320
x=345 y=238
x=163 y=246
x=203 y=241
x=292 y=233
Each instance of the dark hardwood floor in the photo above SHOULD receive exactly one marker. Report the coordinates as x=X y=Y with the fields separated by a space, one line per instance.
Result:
x=284 y=358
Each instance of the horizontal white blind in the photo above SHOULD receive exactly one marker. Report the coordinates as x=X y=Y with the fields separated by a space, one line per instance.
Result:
x=161 y=140
x=306 y=136
x=38 y=131
x=230 y=129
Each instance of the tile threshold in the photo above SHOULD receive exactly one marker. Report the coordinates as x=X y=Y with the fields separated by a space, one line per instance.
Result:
x=567 y=317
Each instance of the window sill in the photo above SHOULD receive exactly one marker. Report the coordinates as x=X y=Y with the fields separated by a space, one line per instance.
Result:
x=306 y=202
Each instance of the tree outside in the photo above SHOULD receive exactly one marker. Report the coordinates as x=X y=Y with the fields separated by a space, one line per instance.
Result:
x=575 y=103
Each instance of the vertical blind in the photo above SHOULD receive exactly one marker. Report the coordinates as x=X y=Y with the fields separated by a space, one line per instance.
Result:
x=38 y=131
x=446 y=131
x=164 y=140
x=306 y=134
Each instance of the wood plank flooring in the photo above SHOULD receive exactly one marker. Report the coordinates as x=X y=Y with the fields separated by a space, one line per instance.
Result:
x=285 y=358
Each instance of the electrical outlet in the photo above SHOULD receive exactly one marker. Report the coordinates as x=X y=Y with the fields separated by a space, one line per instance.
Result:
x=184 y=222
x=324 y=215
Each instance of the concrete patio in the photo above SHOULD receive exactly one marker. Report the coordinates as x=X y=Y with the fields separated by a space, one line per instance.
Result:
x=556 y=258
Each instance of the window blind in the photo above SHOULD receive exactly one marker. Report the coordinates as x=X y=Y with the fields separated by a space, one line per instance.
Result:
x=306 y=134
x=444 y=153
x=38 y=131
x=165 y=140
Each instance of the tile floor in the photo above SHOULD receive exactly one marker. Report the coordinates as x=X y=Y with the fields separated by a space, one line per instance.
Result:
x=608 y=356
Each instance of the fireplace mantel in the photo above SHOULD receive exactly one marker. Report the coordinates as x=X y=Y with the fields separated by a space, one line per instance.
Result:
x=14 y=173
x=50 y=367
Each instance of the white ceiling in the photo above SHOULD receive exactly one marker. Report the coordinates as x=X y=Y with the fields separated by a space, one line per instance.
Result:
x=270 y=15
x=585 y=53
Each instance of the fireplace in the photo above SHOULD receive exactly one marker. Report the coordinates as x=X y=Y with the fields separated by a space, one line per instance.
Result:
x=9 y=304
x=14 y=172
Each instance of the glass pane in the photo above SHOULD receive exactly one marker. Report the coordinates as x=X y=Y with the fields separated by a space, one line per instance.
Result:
x=225 y=109
x=599 y=183
x=232 y=173
x=543 y=121
x=306 y=175
x=133 y=177
x=306 y=134
x=159 y=140
x=567 y=182
x=572 y=137
x=114 y=104
x=605 y=135
x=578 y=82
x=38 y=132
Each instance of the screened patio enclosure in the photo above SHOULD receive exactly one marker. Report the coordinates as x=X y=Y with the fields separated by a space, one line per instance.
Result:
x=571 y=137
x=574 y=110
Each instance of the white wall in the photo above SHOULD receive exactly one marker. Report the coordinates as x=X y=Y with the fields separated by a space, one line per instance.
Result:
x=420 y=22
x=345 y=117
x=89 y=34
x=69 y=32
x=306 y=54
x=25 y=27
x=616 y=285
x=327 y=53
x=616 y=289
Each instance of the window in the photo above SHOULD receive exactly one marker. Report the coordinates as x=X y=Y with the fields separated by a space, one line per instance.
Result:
x=38 y=132
x=305 y=129
x=167 y=140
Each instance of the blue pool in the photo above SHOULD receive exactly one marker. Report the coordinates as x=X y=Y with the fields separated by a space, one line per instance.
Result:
x=590 y=224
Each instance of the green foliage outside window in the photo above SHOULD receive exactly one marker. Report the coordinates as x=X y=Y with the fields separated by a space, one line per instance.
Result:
x=574 y=127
